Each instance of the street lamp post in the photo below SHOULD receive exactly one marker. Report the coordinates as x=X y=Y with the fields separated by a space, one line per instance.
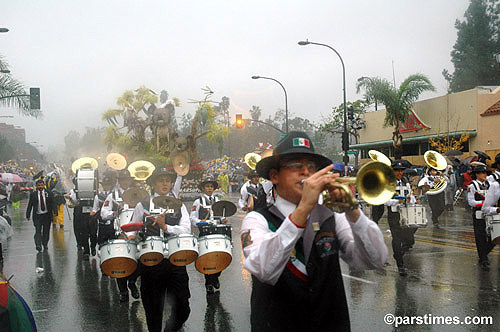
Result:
x=345 y=134
x=286 y=98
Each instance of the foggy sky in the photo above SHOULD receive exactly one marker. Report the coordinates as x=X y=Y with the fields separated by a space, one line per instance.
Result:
x=85 y=54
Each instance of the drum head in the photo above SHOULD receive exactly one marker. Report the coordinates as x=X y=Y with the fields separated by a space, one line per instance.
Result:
x=119 y=267
x=224 y=208
x=183 y=258
x=151 y=258
x=213 y=262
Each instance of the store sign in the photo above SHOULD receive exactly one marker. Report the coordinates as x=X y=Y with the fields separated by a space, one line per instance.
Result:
x=413 y=123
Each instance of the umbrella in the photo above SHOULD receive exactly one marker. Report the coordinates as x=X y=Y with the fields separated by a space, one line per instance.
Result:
x=482 y=155
x=10 y=177
x=453 y=153
x=15 y=314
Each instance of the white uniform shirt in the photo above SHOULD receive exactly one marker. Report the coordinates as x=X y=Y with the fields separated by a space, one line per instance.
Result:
x=426 y=180
x=184 y=226
x=491 y=199
x=267 y=186
x=111 y=204
x=401 y=190
x=493 y=177
x=97 y=200
x=471 y=190
x=193 y=216
x=361 y=243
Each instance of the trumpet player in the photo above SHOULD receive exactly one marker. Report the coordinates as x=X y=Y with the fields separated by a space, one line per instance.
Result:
x=403 y=238
x=476 y=193
x=292 y=248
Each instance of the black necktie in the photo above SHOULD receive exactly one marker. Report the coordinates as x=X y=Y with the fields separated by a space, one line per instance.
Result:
x=42 y=201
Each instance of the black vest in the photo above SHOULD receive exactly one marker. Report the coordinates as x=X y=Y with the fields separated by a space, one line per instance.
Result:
x=261 y=201
x=171 y=219
x=202 y=212
x=318 y=304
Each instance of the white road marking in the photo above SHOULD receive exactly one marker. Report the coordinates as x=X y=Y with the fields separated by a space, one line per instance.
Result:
x=358 y=279
x=41 y=310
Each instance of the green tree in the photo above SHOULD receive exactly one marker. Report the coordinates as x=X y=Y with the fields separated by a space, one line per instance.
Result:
x=398 y=102
x=13 y=93
x=476 y=45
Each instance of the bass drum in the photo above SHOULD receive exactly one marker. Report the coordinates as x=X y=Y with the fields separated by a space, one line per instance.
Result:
x=182 y=249
x=215 y=253
x=118 y=258
x=86 y=184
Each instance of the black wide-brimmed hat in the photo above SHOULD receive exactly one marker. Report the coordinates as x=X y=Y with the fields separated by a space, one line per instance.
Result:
x=124 y=174
x=252 y=174
x=496 y=164
x=400 y=164
x=294 y=144
x=479 y=167
x=108 y=178
x=161 y=171
x=208 y=180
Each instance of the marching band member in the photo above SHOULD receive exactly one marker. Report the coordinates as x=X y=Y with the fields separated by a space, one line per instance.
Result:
x=55 y=186
x=495 y=176
x=292 y=248
x=164 y=278
x=403 y=238
x=253 y=194
x=84 y=232
x=105 y=230
x=476 y=193
x=436 y=202
x=111 y=209
x=200 y=212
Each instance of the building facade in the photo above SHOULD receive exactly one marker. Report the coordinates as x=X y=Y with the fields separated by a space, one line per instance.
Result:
x=475 y=112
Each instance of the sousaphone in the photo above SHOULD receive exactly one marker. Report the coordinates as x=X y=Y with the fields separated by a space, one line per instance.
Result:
x=116 y=161
x=251 y=159
x=379 y=156
x=85 y=162
x=437 y=161
x=141 y=169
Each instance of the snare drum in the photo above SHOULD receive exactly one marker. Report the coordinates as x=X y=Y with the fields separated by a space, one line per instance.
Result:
x=125 y=216
x=215 y=253
x=493 y=227
x=118 y=258
x=412 y=216
x=182 y=249
x=152 y=250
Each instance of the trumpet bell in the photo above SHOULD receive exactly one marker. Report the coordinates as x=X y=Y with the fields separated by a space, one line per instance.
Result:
x=141 y=169
x=379 y=156
x=85 y=162
x=251 y=159
x=435 y=160
x=116 y=161
x=376 y=182
x=180 y=161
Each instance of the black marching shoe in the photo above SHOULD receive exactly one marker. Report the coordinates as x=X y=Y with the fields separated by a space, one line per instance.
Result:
x=38 y=248
x=123 y=296
x=134 y=291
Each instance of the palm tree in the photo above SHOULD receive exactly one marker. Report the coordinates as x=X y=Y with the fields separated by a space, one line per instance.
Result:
x=398 y=102
x=13 y=93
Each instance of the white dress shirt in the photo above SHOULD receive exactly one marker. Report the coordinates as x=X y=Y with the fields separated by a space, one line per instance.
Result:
x=267 y=186
x=493 y=177
x=471 y=190
x=491 y=199
x=39 y=207
x=401 y=190
x=193 y=216
x=361 y=243
x=184 y=226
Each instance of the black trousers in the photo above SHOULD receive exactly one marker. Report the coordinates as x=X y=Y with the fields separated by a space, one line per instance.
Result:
x=377 y=212
x=42 y=228
x=212 y=279
x=436 y=203
x=131 y=279
x=84 y=231
x=402 y=237
x=483 y=241
x=165 y=281
x=105 y=233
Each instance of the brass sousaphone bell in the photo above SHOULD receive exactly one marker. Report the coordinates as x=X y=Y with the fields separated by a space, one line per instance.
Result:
x=379 y=156
x=437 y=161
x=141 y=169
x=251 y=159
x=85 y=162
x=116 y=161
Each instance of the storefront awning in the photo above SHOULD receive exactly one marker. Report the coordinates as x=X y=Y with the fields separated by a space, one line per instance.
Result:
x=472 y=133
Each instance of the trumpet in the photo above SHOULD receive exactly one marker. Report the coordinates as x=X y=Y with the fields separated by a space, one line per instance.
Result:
x=375 y=182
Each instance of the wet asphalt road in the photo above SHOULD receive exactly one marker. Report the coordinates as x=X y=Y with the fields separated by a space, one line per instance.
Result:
x=443 y=280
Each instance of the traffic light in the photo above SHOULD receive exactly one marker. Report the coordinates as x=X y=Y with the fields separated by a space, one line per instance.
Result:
x=239 y=121
x=350 y=113
x=35 y=98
